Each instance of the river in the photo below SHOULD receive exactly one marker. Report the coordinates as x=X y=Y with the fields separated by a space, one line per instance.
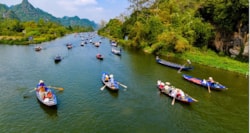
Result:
x=83 y=107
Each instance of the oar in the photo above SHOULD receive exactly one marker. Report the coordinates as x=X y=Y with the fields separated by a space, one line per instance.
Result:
x=102 y=88
x=26 y=96
x=189 y=62
x=173 y=101
x=33 y=90
x=56 y=88
x=122 y=85
x=208 y=87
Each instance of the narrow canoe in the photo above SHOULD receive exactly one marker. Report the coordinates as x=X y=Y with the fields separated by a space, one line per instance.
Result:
x=173 y=65
x=110 y=83
x=204 y=83
x=171 y=91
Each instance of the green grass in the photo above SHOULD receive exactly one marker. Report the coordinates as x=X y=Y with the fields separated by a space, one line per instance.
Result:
x=210 y=58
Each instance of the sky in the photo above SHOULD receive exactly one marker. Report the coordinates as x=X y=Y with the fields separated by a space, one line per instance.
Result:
x=94 y=10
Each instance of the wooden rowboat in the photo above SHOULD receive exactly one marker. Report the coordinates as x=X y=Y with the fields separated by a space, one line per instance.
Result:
x=173 y=92
x=173 y=65
x=57 y=59
x=38 y=48
x=110 y=83
x=47 y=96
x=99 y=56
x=204 y=83
x=116 y=51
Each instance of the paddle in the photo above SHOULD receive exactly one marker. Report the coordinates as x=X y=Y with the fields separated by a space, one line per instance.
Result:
x=26 y=96
x=56 y=88
x=32 y=90
x=208 y=87
x=102 y=88
x=173 y=101
x=122 y=85
x=188 y=61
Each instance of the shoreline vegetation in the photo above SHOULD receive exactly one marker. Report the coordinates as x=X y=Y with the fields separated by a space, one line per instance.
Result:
x=212 y=33
x=21 y=40
x=204 y=57
x=31 y=32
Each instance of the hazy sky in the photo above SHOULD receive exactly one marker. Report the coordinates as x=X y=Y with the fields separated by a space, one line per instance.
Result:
x=94 y=10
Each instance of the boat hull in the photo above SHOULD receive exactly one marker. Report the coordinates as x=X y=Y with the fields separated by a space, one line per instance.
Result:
x=111 y=86
x=49 y=102
x=173 y=65
x=169 y=92
x=214 y=86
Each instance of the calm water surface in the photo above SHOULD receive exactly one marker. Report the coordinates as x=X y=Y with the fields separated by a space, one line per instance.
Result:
x=83 y=107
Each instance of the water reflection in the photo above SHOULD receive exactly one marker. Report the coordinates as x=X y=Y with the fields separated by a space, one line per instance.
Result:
x=50 y=111
x=113 y=93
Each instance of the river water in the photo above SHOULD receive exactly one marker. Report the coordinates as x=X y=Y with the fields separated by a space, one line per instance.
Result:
x=83 y=107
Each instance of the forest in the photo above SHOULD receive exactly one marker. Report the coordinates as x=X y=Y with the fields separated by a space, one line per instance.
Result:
x=165 y=27
x=17 y=32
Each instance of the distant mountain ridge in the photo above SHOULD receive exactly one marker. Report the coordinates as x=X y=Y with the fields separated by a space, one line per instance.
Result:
x=27 y=12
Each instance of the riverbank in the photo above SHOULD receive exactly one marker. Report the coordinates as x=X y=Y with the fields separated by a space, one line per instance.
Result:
x=210 y=58
x=206 y=57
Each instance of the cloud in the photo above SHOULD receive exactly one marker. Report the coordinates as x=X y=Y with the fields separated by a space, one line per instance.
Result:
x=76 y=5
x=84 y=2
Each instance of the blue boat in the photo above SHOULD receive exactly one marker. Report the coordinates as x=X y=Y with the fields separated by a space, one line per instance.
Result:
x=45 y=95
x=173 y=65
x=204 y=83
x=109 y=82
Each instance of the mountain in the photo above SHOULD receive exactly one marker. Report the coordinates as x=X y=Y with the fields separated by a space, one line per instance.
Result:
x=77 y=21
x=6 y=13
x=27 y=12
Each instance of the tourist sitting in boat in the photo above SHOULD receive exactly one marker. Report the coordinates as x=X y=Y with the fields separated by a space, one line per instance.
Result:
x=42 y=89
x=112 y=81
x=41 y=83
x=161 y=86
x=49 y=95
x=179 y=94
x=106 y=78
x=173 y=91
x=167 y=87
x=210 y=80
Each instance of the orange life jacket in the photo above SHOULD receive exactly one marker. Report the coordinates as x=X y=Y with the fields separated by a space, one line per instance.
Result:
x=49 y=95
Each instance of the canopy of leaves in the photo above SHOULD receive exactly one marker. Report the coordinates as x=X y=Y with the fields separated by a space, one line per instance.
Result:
x=16 y=32
x=167 y=25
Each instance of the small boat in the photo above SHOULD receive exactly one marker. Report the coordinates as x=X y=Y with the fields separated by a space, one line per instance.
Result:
x=45 y=95
x=113 y=43
x=109 y=82
x=82 y=43
x=58 y=58
x=99 y=56
x=97 y=44
x=173 y=65
x=38 y=48
x=116 y=51
x=69 y=46
x=173 y=92
x=204 y=83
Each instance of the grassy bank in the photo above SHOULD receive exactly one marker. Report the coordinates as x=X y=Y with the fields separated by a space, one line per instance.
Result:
x=211 y=59
x=206 y=57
